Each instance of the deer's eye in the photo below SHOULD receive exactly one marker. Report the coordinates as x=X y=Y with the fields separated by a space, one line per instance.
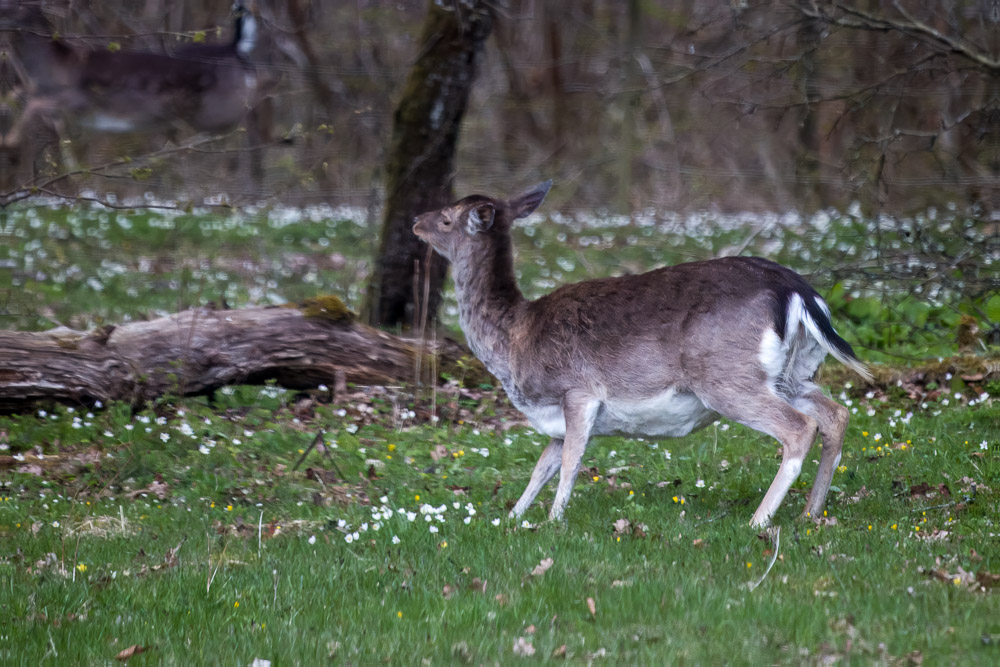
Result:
x=446 y=222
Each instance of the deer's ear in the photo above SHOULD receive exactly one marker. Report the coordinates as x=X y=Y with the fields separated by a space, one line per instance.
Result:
x=525 y=203
x=480 y=219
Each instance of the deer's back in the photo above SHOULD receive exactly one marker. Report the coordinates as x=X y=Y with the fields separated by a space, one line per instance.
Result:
x=635 y=336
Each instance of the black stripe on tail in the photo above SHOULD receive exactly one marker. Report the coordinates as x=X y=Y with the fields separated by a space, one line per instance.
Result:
x=825 y=326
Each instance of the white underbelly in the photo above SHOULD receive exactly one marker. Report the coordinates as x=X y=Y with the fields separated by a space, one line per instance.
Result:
x=668 y=414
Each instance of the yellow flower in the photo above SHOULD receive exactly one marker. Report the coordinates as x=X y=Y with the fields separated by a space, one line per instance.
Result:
x=229 y=508
x=212 y=505
x=392 y=447
x=682 y=501
x=444 y=544
x=842 y=469
x=236 y=604
x=597 y=477
x=631 y=492
x=957 y=581
x=869 y=526
x=399 y=614
x=82 y=567
x=417 y=498
x=864 y=433
x=824 y=512
x=619 y=538
x=675 y=499
x=749 y=564
x=893 y=526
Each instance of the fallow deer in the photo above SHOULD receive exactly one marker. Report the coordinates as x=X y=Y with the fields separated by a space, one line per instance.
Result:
x=661 y=353
x=207 y=87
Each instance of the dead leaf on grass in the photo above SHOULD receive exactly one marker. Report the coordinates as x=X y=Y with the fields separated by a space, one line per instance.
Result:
x=592 y=606
x=972 y=485
x=862 y=493
x=439 y=452
x=559 y=652
x=131 y=651
x=448 y=591
x=987 y=580
x=542 y=567
x=623 y=527
x=478 y=585
x=961 y=576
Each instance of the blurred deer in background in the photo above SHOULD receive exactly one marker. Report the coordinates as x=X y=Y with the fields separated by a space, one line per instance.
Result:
x=209 y=88
x=662 y=353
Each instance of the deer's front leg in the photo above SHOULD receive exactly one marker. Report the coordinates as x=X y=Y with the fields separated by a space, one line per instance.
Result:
x=580 y=411
x=545 y=469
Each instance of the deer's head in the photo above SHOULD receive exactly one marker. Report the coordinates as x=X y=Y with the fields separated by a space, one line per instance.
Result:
x=475 y=220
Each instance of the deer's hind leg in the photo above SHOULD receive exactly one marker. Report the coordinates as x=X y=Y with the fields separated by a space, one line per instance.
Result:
x=764 y=411
x=832 y=419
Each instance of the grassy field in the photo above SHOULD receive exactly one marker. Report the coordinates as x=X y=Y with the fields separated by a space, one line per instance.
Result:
x=187 y=529
x=193 y=531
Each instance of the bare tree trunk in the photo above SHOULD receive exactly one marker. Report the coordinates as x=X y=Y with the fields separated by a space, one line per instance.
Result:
x=197 y=351
x=810 y=191
x=632 y=100
x=421 y=163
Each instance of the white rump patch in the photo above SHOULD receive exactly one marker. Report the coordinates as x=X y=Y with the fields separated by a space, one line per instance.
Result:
x=773 y=355
x=797 y=314
x=248 y=36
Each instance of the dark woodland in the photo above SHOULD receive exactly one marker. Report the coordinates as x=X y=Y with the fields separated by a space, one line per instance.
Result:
x=632 y=105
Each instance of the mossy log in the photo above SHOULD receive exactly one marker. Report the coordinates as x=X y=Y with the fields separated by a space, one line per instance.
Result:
x=195 y=352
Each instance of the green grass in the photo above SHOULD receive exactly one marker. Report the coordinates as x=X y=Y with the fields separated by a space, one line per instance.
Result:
x=678 y=592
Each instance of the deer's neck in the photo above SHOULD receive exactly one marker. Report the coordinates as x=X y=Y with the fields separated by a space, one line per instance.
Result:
x=488 y=302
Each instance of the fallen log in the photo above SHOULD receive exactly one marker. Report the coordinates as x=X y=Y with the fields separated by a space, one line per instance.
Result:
x=197 y=351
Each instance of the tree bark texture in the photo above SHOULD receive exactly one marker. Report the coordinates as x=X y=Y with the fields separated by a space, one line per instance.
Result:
x=197 y=351
x=421 y=163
